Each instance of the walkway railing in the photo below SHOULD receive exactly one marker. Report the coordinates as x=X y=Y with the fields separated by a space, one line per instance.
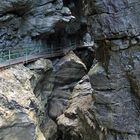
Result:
x=12 y=56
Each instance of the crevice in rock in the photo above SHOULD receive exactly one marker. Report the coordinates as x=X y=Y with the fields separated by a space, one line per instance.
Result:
x=86 y=56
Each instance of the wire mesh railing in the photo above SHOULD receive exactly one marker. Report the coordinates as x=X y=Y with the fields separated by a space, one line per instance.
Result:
x=11 y=56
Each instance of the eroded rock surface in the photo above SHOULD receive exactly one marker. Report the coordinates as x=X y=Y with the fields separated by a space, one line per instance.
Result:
x=75 y=121
x=18 y=106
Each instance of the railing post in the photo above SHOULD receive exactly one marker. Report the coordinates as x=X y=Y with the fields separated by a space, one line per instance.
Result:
x=9 y=56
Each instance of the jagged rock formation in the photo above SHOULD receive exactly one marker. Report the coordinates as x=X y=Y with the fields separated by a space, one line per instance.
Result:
x=56 y=87
x=18 y=106
x=23 y=20
x=67 y=98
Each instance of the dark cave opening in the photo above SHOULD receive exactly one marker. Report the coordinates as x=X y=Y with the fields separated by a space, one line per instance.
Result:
x=72 y=5
x=79 y=14
x=60 y=39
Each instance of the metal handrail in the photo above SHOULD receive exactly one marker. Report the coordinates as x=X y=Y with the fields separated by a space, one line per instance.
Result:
x=8 y=56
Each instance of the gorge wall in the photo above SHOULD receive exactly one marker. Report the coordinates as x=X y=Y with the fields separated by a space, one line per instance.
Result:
x=83 y=95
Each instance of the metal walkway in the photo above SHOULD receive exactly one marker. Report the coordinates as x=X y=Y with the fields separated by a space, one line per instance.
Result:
x=28 y=54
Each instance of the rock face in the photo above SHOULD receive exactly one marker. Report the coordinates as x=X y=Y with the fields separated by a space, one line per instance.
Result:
x=114 y=19
x=66 y=98
x=18 y=118
x=75 y=121
x=114 y=78
x=67 y=72
x=21 y=21
x=55 y=89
